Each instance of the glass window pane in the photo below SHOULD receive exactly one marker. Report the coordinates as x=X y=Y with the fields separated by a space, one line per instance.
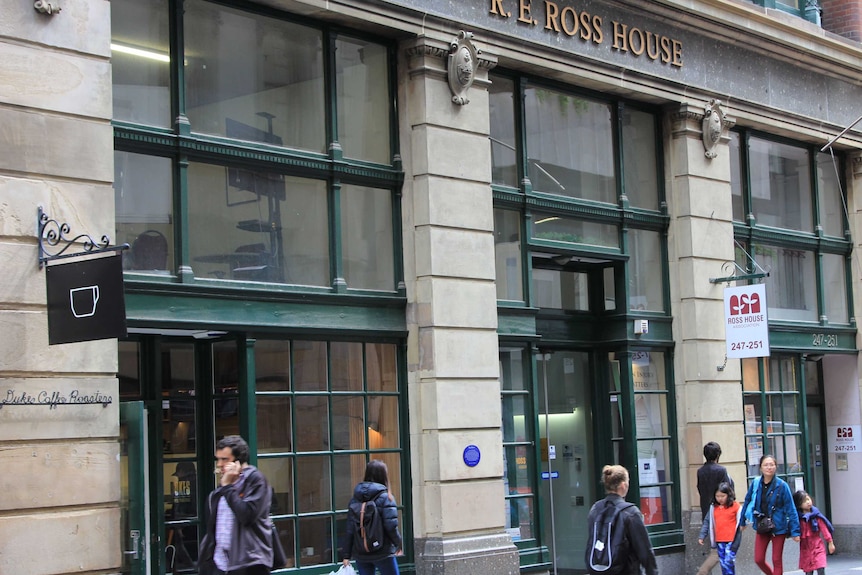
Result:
x=381 y=367
x=367 y=244
x=557 y=289
x=253 y=78
x=178 y=368
x=570 y=145
x=656 y=504
x=183 y=550
x=609 y=282
x=832 y=210
x=507 y=252
x=181 y=499
x=140 y=61
x=561 y=229
x=501 y=99
x=646 y=287
x=514 y=417
x=143 y=203
x=512 y=367
x=648 y=371
x=346 y=365
x=226 y=414
x=313 y=484
x=654 y=467
x=309 y=366
x=225 y=368
x=519 y=517
x=362 y=81
x=178 y=427
x=279 y=473
x=286 y=534
x=245 y=233
x=393 y=466
x=273 y=424
x=639 y=154
x=780 y=185
x=315 y=541
x=312 y=423
x=348 y=423
x=383 y=422
x=348 y=470
x=835 y=286
x=736 y=178
x=517 y=463
x=128 y=370
x=272 y=365
x=791 y=288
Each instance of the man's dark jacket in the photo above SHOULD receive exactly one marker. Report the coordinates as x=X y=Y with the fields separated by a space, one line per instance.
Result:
x=251 y=541
x=709 y=476
x=635 y=545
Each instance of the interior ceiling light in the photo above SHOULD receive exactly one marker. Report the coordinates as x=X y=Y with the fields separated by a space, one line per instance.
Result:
x=148 y=54
x=543 y=220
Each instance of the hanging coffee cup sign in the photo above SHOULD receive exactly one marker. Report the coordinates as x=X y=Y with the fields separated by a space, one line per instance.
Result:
x=85 y=300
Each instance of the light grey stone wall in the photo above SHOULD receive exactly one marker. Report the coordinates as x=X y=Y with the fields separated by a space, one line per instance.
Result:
x=59 y=512
x=453 y=377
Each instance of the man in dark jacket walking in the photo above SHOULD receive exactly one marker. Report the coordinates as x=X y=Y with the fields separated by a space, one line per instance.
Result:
x=238 y=540
x=709 y=476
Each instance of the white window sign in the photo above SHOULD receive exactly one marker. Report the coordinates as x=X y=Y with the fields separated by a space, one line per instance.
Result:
x=746 y=329
x=845 y=438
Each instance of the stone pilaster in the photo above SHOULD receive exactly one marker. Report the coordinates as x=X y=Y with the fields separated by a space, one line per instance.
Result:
x=700 y=243
x=62 y=485
x=454 y=390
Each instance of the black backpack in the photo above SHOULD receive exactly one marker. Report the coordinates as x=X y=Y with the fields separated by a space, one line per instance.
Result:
x=605 y=552
x=367 y=527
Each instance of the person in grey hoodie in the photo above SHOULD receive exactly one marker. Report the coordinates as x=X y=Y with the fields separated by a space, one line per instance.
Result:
x=373 y=487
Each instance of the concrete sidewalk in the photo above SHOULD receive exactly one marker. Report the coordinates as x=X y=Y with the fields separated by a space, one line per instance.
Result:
x=838 y=564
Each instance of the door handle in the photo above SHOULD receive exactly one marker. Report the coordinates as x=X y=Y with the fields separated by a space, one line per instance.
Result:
x=135 y=536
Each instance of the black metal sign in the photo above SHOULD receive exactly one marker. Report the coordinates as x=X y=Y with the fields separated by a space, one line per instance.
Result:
x=85 y=300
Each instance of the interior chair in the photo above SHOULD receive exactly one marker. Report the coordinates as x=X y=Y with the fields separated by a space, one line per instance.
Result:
x=150 y=251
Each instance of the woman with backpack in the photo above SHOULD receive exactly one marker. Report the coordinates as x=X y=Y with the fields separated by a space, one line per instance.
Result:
x=618 y=542
x=372 y=537
x=769 y=505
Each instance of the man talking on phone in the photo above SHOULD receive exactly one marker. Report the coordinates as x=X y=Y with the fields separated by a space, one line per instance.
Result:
x=238 y=539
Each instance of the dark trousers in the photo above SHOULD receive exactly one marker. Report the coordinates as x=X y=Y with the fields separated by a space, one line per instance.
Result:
x=253 y=570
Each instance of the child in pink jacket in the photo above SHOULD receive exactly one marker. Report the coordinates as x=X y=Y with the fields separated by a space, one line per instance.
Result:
x=813 y=525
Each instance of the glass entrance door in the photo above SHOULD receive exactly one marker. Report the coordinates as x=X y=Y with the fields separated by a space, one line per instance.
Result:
x=567 y=480
x=134 y=531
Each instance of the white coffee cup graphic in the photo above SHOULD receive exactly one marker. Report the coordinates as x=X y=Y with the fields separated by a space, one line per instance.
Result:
x=83 y=301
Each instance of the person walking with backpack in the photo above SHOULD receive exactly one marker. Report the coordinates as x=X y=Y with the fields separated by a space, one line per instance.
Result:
x=372 y=537
x=721 y=524
x=769 y=505
x=618 y=542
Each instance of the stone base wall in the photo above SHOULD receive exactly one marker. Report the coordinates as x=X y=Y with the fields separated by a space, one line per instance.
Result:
x=467 y=555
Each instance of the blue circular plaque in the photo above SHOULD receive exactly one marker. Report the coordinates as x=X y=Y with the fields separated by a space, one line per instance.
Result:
x=472 y=455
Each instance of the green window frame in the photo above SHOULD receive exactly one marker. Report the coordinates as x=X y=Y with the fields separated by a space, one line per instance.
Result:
x=773 y=412
x=802 y=236
x=242 y=179
x=799 y=8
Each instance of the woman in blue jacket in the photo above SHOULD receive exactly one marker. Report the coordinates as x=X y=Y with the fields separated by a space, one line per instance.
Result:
x=769 y=495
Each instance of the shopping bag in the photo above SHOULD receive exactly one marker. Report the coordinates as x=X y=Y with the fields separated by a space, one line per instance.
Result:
x=344 y=570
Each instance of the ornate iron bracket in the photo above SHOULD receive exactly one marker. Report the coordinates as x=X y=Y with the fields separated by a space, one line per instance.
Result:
x=737 y=273
x=53 y=233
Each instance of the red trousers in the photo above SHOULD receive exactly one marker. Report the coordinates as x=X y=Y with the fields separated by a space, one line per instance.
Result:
x=761 y=540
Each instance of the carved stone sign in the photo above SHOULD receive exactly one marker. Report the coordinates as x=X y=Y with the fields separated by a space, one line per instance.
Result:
x=463 y=59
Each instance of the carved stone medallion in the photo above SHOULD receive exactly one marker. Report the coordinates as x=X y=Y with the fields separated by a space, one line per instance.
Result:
x=463 y=59
x=713 y=123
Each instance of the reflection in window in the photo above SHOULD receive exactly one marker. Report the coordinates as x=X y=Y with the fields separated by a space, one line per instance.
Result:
x=143 y=202
x=140 y=61
x=367 y=238
x=507 y=255
x=558 y=289
x=780 y=185
x=501 y=98
x=323 y=409
x=270 y=91
x=362 y=80
x=646 y=288
x=832 y=210
x=791 y=288
x=835 y=287
x=255 y=226
x=570 y=145
x=639 y=156
x=570 y=230
x=772 y=412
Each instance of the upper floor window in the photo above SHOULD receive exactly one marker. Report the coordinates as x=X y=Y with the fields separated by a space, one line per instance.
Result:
x=242 y=177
